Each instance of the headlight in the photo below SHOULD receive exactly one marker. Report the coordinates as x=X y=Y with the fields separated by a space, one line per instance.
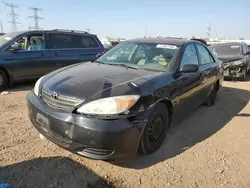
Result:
x=36 y=88
x=237 y=62
x=109 y=106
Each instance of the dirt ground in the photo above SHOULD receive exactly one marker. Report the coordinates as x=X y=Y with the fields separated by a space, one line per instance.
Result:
x=210 y=148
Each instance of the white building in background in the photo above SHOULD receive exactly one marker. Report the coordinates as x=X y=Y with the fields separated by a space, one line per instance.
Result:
x=107 y=40
x=216 y=41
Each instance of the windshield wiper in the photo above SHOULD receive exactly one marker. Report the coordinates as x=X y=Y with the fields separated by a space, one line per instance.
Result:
x=123 y=65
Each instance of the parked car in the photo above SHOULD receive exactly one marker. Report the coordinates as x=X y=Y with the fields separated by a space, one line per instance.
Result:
x=31 y=54
x=126 y=99
x=236 y=58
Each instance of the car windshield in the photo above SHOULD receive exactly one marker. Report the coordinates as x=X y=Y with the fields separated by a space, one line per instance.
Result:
x=227 y=49
x=154 y=57
x=7 y=37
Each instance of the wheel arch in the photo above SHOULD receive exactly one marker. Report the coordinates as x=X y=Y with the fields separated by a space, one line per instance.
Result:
x=170 y=107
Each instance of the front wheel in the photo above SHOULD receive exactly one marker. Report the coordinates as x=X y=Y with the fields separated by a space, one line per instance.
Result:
x=154 y=132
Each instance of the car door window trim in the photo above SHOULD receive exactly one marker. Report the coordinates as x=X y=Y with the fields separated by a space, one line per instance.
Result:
x=52 y=33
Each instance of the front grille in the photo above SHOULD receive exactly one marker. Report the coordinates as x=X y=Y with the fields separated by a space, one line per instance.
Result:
x=61 y=101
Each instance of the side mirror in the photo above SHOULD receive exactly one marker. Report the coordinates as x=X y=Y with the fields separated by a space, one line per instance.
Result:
x=188 y=68
x=15 y=47
x=247 y=53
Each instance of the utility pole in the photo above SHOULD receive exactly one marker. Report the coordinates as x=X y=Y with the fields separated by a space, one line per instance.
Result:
x=209 y=31
x=35 y=17
x=1 y=25
x=88 y=30
x=146 y=31
x=13 y=15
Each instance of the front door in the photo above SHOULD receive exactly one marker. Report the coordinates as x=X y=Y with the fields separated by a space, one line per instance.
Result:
x=30 y=61
x=187 y=95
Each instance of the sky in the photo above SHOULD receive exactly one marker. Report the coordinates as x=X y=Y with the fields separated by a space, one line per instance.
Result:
x=137 y=18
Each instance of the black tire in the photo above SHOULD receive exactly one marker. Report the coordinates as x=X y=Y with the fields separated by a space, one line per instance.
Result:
x=3 y=80
x=154 y=132
x=244 y=75
x=212 y=96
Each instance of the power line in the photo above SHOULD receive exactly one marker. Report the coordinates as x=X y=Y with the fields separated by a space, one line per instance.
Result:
x=35 y=17
x=13 y=15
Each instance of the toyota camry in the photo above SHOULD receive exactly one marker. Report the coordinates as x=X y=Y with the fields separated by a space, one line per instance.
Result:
x=126 y=99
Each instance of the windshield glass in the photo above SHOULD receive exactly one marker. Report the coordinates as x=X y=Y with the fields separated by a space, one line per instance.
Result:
x=7 y=37
x=227 y=49
x=155 y=57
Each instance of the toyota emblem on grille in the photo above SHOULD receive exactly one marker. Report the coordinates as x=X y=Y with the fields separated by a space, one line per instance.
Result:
x=54 y=95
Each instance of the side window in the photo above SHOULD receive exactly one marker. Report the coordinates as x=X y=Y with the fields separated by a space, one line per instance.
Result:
x=61 y=41
x=205 y=56
x=189 y=56
x=243 y=49
x=246 y=47
x=29 y=43
x=86 y=41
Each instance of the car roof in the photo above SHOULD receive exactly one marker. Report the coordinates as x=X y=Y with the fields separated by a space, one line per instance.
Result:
x=167 y=40
x=55 y=30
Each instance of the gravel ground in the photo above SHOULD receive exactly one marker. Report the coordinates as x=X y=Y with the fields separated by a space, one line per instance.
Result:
x=210 y=148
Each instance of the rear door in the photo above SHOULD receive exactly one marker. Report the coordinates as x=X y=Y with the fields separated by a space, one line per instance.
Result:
x=208 y=70
x=64 y=49
x=29 y=63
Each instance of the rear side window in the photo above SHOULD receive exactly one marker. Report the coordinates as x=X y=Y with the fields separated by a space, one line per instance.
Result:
x=205 y=56
x=246 y=48
x=61 y=41
x=86 y=41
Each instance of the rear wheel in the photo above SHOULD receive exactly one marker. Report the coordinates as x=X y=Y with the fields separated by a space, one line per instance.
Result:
x=3 y=80
x=154 y=131
x=212 y=96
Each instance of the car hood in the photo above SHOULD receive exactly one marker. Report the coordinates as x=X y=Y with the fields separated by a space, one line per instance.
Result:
x=228 y=58
x=90 y=81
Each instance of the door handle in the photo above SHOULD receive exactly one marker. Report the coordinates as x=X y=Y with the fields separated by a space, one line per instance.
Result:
x=41 y=55
x=56 y=53
x=203 y=77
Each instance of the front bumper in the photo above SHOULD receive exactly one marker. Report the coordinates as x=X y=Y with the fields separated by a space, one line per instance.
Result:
x=234 y=71
x=111 y=140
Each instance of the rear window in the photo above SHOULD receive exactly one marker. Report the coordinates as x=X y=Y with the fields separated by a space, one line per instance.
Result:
x=86 y=42
x=61 y=41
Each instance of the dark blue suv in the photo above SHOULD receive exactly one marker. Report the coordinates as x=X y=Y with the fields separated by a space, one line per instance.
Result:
x=31 y=54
